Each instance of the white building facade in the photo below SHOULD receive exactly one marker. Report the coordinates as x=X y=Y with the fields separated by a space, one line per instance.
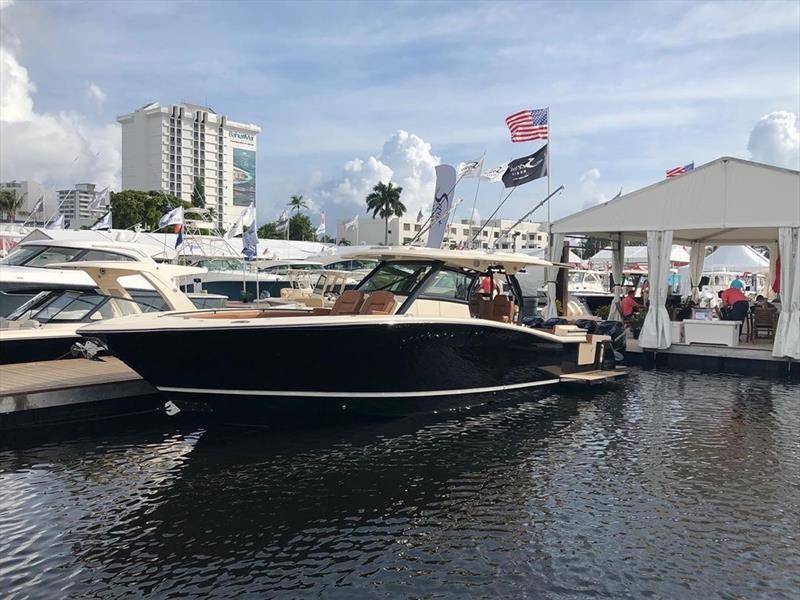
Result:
x=74 y=205
x=167 y=147
x=496 y=234
x=30 y=192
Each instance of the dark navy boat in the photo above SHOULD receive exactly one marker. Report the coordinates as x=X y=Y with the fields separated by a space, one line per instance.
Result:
x=418 y=334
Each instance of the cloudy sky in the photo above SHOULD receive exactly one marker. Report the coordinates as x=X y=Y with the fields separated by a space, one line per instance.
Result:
x=348 y=94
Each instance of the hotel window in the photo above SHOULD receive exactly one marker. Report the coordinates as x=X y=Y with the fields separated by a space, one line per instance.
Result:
x=417 y=227
x=406 y=226
x=466 y=232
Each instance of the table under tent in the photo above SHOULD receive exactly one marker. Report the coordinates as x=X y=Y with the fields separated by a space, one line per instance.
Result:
x=726 y=202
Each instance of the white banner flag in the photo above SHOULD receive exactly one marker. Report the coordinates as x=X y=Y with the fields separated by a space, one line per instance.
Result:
x=173 y=217
x=104 y=223
x=246 y=218
x=321 y=229
x=442 y=201
x=283 y=223
x=352 y=224
x=100 y=201
x=57 y=224
x=470 y=168
x=495 y=174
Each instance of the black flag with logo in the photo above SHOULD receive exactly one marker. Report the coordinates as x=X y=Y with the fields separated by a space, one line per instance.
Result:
x=526 y=169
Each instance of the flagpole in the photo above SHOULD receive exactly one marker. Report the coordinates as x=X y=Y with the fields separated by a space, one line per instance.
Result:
x=548 y=176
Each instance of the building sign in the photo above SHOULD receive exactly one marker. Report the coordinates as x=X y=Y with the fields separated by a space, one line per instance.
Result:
x=244 y=177
x=242 y=137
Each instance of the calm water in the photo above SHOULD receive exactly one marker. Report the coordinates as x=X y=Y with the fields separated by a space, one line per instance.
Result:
x=667 y=486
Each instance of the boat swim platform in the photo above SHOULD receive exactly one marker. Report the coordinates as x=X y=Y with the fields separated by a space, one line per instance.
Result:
x=79 y=387
x=744 y=359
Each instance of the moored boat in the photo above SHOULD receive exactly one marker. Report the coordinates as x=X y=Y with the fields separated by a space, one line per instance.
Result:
x=416 y=335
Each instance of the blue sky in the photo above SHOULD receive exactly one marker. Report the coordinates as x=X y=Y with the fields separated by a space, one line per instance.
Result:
x=634 y=88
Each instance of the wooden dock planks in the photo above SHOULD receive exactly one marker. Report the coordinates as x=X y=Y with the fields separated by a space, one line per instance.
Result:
x=28 y=378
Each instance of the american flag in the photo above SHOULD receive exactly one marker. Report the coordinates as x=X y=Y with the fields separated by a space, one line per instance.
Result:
x=680 y=170
x=527 y=125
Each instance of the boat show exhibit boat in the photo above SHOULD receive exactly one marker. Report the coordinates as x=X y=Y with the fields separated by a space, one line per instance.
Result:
x=236 y=278
x=27 y=271
x=44 y=328
x=417 y=335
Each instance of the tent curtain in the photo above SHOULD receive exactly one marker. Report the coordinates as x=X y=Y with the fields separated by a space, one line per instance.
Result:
x=773 y=270
x=617 y=260
x=550 y=273
x=697 y=256
x=787 y=333
x=655 y=332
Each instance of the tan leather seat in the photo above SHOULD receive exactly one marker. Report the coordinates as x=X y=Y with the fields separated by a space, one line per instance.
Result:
x=349 y=303
x=379 y=303
x=502 y=309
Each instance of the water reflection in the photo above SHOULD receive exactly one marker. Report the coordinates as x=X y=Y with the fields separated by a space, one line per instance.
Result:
x=669 y=485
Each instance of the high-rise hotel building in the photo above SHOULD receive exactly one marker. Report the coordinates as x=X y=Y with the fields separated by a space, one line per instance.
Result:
x=167 y=147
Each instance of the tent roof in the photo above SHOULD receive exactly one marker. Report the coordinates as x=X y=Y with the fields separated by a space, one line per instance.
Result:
x=735 y=259
x=726 y=201
x=639 y=254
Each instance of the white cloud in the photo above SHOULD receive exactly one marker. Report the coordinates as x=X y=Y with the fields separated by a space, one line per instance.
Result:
x=55 y=149
x=405 y=160
x=775 y=140
x=589 y=190
x=719 y=21
x=97 y=95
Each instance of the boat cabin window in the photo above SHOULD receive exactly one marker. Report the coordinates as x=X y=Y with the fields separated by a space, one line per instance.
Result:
x=104 y=255
x=397 y=277
x=449 y=285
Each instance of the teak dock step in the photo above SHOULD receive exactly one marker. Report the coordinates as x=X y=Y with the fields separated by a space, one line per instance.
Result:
x=56 y=383
x=593 y=377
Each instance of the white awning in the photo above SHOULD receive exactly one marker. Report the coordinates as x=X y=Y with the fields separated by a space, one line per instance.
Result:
x=726 y=201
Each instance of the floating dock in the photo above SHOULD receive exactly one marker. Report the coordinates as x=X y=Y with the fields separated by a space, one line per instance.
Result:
x=744 y=359
x=60 y=391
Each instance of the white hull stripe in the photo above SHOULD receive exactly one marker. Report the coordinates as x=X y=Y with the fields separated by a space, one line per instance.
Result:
x=496 y=388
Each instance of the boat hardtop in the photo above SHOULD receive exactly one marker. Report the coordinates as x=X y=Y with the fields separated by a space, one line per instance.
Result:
x=475 y=260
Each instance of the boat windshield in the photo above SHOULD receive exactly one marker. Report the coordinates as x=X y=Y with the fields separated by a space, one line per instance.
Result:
x=221 y=264
x=38 y=256
x=77 y=306
x=397 y=277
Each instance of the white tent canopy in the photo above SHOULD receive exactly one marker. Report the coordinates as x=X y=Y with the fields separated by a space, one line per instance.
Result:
x=736 y=259
x=638 y=254
x=726 y=201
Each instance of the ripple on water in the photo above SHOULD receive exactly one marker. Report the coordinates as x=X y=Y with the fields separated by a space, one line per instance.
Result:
x=668 y=485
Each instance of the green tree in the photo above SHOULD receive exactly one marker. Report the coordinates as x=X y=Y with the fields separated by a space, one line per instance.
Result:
x=297 y=203
x=130 y=207
x=269 y=231
x=344 y=242
x=10 y=204
x=384 y=200
x=592 y=246
x=326 y=239
x=300 y=228
x=199 y=193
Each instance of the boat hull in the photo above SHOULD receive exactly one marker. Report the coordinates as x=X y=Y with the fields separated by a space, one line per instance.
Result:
x=382 y=369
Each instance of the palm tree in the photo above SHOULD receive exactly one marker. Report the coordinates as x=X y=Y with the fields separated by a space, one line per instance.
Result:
x=10 y=204
x=384 y=200
x=297 y=203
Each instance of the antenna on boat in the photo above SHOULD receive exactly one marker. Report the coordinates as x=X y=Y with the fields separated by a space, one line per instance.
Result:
x=527 y=214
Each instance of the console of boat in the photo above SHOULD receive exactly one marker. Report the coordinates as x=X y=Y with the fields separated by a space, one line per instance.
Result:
x=418 y=334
